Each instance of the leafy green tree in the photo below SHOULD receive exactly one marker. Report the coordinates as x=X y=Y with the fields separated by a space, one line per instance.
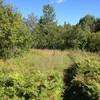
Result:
x=81 y=37
x=49 y=15
x=14 y=35
x=31 y=21
x=54 y=37
x=49 y=37
x=67 y=35
x=94 y=42
x=88 y=22
x=97 y=25
x=45 y=34
x=1 y=3
x=75 y=37
x=39 y=37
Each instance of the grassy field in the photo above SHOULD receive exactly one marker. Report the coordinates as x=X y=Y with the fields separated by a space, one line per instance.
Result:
x=45 y=60
x=51 y=75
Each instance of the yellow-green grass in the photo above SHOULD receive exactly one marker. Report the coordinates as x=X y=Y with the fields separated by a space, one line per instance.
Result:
x=45 y=60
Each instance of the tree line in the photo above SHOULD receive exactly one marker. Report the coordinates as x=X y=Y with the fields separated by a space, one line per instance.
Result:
x=46 y=33
x=18 y=34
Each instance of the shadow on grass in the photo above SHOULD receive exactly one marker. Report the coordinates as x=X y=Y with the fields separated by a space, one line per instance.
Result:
x=75 y=90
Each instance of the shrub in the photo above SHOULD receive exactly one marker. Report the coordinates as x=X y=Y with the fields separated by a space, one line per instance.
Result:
x=14 y=35
x=85 y=82
x=94 y=42
x=36 y=86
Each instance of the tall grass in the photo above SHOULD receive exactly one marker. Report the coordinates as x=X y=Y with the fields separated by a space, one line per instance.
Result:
x=45 y=60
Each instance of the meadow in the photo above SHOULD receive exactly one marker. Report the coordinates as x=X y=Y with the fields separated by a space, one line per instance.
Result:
x=51 y=75
x=41 y=59
x=37 y=59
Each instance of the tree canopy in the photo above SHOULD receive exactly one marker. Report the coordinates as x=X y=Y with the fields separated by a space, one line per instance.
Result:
x=18 y=33
x=14 y=35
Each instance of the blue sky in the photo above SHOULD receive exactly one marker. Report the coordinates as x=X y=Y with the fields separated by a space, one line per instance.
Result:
x=66 y=10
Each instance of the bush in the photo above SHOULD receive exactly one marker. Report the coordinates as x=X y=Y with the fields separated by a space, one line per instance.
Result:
x=85 y=81
x=94 y=42
x=36 y=86
x=14 y=35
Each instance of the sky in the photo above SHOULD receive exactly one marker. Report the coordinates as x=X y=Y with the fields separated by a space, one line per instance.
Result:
x=66 y=10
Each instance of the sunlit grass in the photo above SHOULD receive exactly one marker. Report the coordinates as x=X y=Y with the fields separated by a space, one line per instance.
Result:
x=45 y=60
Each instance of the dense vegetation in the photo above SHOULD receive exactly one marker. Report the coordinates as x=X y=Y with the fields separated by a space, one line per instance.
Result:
x=38 y=75
x=14 y=34
x=51 y=75
x=48 y=34
x=36 y=86
x=18 y=33
x=84 y=81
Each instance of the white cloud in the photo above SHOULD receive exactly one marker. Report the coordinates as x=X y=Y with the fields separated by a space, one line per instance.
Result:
x=57 y=1
x=60 y=1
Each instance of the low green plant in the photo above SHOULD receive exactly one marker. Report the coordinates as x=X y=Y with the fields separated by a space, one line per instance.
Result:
x=35 y=86
x=85 y=81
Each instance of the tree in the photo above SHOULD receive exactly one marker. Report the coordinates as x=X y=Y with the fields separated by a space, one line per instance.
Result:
x=97 y=25
x=81 y=37
x=54 y=37
x=75 y=37
x=39 y=37
x=45 y=33
x=67 y=35
x=1 y=3
x=49 y=15
x=14 y=35
x=88 y=22
x=31 y=21
x=94 y=42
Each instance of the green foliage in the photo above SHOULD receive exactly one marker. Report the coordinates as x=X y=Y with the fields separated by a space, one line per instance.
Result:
x=76 y=37
x=88 y=21
x=31 y=21
x=48 y=15
x=18 y=34
x=85 y=81
x=82 y=83
x=94 y=42
x=21 y=80
x=14 y=35
x=47 y=34
x=97 y=25
x=48 y=37
x=36 y=86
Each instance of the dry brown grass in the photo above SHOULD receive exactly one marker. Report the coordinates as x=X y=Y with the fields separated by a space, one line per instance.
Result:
x=45 y=60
